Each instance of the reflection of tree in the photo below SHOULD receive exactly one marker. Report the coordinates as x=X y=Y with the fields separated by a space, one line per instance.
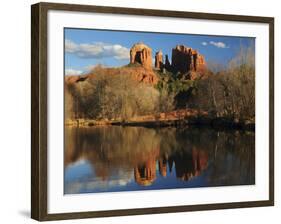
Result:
x=234 y=159
x=113 y=150
x=111 y=93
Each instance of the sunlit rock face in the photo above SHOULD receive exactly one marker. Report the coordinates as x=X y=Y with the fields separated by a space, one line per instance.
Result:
x=141 y=54
x=186 y=59
x=159 y=60
x=144 y=75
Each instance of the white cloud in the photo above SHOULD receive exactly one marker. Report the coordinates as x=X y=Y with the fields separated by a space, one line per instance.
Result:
x=97 y=50
x=70 y=46
x=218 y=44
x=93 y=184
x=71 y=71
x=204 y=43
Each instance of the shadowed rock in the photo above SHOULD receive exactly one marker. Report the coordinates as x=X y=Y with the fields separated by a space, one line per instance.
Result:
x=159 y=60
x=186 y=59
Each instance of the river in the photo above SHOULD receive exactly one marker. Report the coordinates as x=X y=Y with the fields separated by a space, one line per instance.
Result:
x=116 y=158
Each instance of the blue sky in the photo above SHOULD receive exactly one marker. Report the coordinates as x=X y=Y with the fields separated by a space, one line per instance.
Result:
x=85 y=48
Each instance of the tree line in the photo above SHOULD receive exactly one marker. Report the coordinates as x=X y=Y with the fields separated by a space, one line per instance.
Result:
x=230 y=92
x=114 y=94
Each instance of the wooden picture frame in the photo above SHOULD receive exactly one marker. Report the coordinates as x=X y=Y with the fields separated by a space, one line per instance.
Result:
x=39 y=109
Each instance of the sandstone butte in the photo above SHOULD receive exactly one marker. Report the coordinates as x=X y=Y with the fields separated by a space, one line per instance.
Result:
x=159 y=60
x=142 y=54
x=185 y=60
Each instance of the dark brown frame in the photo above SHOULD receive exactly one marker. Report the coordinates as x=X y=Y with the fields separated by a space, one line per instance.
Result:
x=39 y=110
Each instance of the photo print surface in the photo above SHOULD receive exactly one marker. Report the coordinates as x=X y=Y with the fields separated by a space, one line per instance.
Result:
x=151 y=111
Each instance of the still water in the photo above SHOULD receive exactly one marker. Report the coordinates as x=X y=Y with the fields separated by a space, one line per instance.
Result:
x=115 y=158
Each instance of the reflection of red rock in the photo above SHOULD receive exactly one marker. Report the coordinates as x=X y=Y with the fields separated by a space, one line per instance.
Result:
x=189 y=165
x=163 y=167
x=81 y=144
x=145 y=174
x=200 y=161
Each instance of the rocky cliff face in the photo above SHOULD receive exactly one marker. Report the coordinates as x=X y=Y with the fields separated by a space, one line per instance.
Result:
x=159 y=60
x=142 y=54
x=139 y=73
x=186 y=59
x=145 y=76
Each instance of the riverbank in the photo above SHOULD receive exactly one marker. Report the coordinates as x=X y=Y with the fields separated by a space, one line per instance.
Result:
x=218 y=123
x=179 y=118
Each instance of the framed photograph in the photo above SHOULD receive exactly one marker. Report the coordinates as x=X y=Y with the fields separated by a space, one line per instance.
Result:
x=139 y=111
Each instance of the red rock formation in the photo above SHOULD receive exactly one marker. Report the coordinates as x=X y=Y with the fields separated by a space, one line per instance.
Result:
x=70 y=79
x=167 y=63
x=201 y=63
x=147 y=77
x=159 y=60
x=185 y=59
x=142 y=54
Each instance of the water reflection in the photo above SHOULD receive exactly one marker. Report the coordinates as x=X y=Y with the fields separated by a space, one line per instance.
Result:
x=113 y=158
